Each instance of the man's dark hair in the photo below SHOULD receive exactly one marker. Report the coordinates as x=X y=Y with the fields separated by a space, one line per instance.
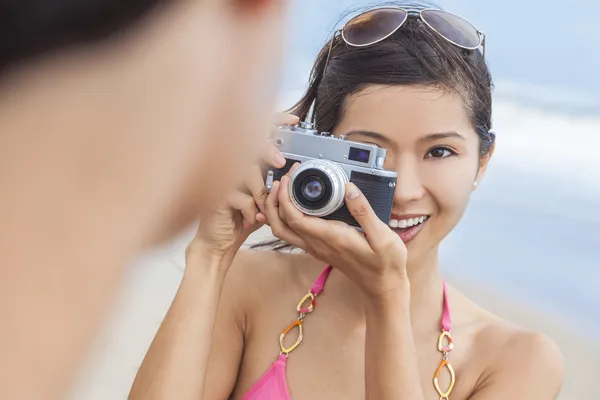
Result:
x=31 y=28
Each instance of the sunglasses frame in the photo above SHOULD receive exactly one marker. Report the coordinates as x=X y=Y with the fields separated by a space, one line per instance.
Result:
x=408 y=13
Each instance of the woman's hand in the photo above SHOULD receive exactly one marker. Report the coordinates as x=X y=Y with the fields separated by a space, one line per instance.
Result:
x=375 y=260
x=242 y=212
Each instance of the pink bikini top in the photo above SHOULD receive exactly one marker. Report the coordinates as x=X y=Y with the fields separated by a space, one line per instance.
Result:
x=273 y=384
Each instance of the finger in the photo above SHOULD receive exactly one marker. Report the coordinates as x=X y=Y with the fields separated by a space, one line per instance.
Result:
x=290 y=171
x=262 y=218
x=256 y=186
x=335 y=234
x=293 y=169
x=279 y=228
x=286 y=119
x=249 y=228
x=272 y=156
x=245 y=204
x=363 y=213
x=293 y=217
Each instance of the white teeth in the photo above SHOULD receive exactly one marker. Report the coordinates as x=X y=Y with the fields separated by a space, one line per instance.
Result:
x=406 y=223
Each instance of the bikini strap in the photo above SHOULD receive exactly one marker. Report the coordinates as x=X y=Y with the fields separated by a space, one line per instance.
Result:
x=303 y=310
x=319 y=285
x=445 y=346
x=446 y=320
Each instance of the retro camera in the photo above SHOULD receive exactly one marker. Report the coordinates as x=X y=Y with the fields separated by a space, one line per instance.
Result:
x=327 y=164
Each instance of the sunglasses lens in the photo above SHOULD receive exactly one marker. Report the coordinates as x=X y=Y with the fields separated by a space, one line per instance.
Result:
x=373 y=26
x=452 y=28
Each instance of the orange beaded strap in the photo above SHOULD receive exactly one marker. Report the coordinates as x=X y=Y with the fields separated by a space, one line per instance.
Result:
x=445 y=345
x=315 y=290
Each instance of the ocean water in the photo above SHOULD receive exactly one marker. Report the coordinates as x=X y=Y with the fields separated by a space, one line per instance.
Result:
x=533 y=228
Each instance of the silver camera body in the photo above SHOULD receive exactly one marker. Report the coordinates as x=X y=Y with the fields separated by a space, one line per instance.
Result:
x=327 y=164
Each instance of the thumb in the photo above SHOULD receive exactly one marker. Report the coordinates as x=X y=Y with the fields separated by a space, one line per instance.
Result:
x=363 y=213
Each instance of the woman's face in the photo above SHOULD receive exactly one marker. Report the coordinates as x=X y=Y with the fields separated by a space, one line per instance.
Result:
x=431 y=145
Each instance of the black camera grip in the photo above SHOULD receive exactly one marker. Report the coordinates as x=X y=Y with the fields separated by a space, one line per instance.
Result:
x=279 y=172
x=379 y=191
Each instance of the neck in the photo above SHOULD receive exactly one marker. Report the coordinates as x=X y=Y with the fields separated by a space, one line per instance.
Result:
x=426 y=292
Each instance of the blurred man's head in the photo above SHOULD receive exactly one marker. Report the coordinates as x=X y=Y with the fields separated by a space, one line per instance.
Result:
x=186 y=87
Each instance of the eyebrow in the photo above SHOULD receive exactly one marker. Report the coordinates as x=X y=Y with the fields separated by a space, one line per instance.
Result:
x=441 y=135
x=370 y=134
x=427 y=138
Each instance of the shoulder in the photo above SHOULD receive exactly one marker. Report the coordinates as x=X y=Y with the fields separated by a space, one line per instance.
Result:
x=526 y=362
x=259 y=274
x=266 y=268
x=509 y=361
x=262 y=286
x=533 y=353
x=536 y=355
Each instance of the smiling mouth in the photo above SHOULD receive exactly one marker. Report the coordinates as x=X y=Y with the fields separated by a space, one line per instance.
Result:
x=408 y=228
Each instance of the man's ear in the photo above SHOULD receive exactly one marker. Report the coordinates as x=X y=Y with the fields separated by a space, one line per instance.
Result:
x=483 y=164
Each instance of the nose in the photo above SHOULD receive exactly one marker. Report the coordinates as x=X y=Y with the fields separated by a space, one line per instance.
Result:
x=409 y=186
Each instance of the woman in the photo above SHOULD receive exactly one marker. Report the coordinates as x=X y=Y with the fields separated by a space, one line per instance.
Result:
x=108 y=110
x=384 y=324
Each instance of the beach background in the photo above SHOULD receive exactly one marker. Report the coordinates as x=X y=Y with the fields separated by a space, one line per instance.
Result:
x=528 y=249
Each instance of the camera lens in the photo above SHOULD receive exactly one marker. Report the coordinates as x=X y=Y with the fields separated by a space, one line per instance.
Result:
x=313 y=188
x=317 y=187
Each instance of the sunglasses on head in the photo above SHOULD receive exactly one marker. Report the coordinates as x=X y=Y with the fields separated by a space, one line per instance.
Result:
x=376 y=25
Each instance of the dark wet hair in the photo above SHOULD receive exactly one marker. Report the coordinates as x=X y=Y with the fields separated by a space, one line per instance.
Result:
x=32 y=28
x=414 y=55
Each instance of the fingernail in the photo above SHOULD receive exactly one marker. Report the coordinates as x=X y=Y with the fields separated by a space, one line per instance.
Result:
x=279 y=159
x=274 y=188
x=352 y=192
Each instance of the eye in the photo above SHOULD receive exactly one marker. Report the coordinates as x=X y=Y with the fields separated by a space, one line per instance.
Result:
x=440 y=152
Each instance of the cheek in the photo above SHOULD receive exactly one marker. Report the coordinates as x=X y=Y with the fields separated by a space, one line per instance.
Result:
x=450 y=186
x=225 y=106
x=244 y=106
